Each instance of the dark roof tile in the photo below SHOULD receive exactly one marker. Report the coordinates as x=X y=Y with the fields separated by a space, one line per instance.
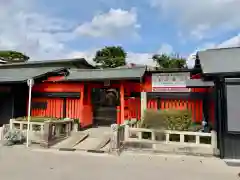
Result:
x=15 y=75
x=224 y=60
x=104 y=74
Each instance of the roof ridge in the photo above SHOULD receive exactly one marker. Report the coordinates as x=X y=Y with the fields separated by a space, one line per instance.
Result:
x=104 y=69
x=221 y=48
x=32 y=62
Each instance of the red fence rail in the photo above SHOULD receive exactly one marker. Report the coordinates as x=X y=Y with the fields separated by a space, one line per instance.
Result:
x=54 y=107
x=133 y=108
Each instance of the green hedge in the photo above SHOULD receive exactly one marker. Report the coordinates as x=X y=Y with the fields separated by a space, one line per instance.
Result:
x=37 y=119
x=43 y=119
x=170 y=119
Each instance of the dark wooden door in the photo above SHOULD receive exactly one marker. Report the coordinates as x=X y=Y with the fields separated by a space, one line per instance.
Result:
x=104 y=103
x=6 y=108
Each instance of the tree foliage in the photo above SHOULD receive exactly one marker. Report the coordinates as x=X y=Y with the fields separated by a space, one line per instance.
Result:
x=169 y=61
x=13 y=56
x=110 y=57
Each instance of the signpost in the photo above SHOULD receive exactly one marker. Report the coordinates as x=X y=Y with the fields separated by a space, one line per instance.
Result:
x=30 y=83
x=170 y=82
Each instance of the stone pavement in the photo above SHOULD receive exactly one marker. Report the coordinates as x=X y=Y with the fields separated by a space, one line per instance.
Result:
x=19 y=163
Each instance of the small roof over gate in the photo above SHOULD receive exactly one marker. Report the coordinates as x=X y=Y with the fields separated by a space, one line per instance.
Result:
x=105 y=74
x=218 y=61
x=16 y=75
x=199 y=83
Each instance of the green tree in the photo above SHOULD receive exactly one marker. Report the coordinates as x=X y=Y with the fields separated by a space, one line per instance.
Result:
x=169 y=61
x=13 y=56
x=110 y=57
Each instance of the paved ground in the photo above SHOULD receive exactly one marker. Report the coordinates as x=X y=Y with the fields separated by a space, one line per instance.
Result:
x=20 y=164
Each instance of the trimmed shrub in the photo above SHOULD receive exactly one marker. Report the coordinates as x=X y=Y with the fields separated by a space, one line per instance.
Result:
x=37 y=119
x=170 y=119
x=179 y=120
x=153 y=119
x=14 y=137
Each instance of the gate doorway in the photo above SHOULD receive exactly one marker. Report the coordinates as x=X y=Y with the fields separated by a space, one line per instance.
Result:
x=104 y=102
x=6 y=108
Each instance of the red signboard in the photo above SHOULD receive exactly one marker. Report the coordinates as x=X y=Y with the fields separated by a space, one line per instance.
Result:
x=170 y=89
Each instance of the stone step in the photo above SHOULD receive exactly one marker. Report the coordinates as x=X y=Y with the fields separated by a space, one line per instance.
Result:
x=106 y=148
x=88 y=143
x=93 y=144
x=93 y=140
x=102 y=143
x=98 y=132
x=72 y=141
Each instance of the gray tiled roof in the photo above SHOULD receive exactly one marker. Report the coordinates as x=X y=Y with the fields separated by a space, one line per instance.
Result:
x=230 y=80
x=22 y=74
x=199 y=83
x=223 y=60
x=50 y=63
x=104 y=74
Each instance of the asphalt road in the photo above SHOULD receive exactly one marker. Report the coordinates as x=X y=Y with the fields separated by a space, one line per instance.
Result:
x=22 y=164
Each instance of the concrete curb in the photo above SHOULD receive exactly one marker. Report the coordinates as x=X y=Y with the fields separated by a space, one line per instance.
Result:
x=167 y=152
x=124 y=152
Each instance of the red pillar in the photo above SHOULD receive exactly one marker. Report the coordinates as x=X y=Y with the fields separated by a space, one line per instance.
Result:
x=122 y=102
x=81 y=107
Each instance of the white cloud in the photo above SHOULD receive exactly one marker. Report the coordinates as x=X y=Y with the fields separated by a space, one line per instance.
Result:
x=140 y=58
x=165 y=49
x=146 y=58
x=137 y=58
x=200 y=32
x=41 y=36
x=113 y=24
x=25 y=29
x=201 y=18
x=88 y=55
x=232 y=42
x=132 y=57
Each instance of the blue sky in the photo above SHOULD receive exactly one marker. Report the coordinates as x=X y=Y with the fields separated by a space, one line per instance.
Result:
x=76 y=28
